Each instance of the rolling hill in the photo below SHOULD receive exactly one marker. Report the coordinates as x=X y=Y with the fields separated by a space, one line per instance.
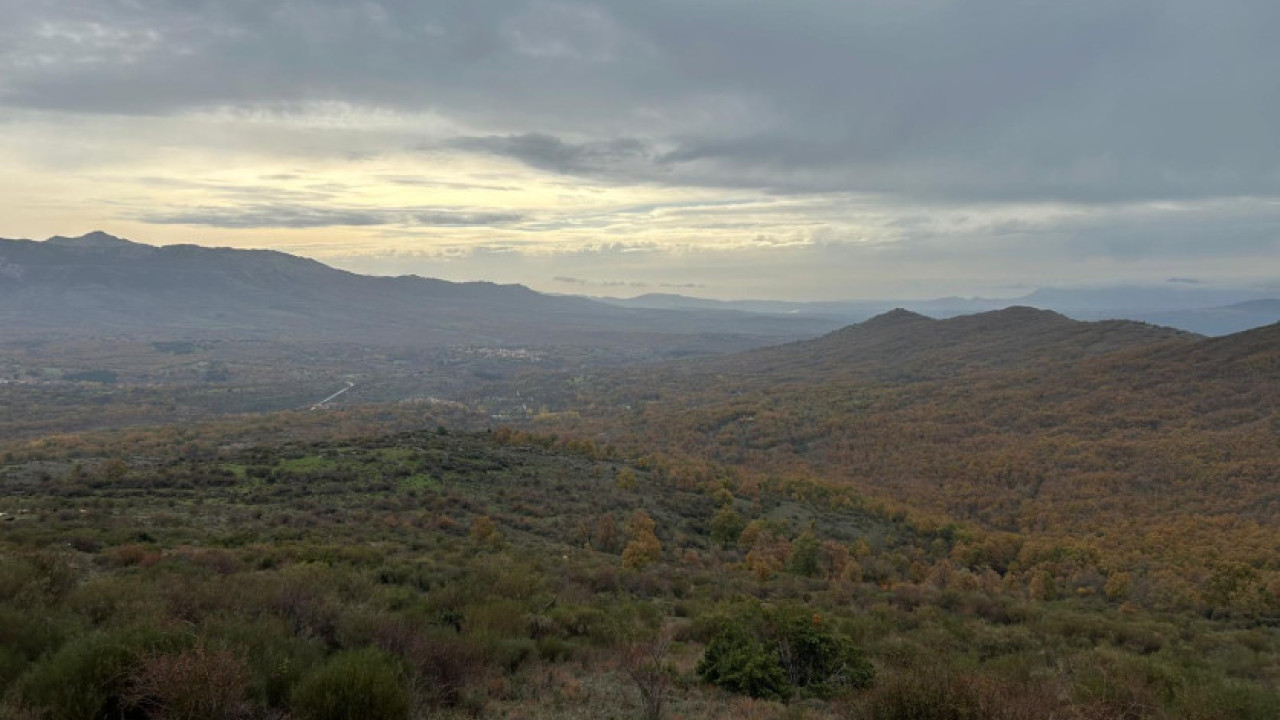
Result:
x=1132 y=443
x=901 y=345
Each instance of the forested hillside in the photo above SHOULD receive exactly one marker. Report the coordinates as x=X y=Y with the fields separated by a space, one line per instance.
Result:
x=1161 y=460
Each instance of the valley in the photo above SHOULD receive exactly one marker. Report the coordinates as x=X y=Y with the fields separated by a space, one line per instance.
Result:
x=1007 y=514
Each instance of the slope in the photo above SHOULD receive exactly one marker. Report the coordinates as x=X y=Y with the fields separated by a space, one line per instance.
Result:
x=1129 y=443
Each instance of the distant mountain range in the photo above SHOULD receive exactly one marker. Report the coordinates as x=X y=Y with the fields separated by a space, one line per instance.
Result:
x=101 y=284
x=1207 y=311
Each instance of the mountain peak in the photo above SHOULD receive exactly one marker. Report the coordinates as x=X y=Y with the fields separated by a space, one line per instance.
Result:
x=95 y=239
x=1023 y=313
x=895 y=317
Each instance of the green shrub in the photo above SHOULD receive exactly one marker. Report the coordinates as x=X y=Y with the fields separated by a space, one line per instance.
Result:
x=578 y=621
x=24 y=637
x=277 y=659
x=554 y=649
x=777 y=652
x=353 y=685
x=35 y=578
x=87 y=676
x=510 y=653
x=1223 y=699
x=815 y=656
x=740 y=662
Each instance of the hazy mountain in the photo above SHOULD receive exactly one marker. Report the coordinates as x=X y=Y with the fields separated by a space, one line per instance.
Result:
x=1099 y=301
x=1220 y=320
x=103 y=284
x=1207 y=311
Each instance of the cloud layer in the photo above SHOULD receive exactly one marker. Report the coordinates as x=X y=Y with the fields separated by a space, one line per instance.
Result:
x=1141 y=130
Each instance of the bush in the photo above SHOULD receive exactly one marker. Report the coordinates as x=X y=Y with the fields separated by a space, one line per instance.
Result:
x=738 y=661
x=815 y=657
x=553 y=649
x=444 y=667
x=87 y=677
x=277 y=659
x=195 y=684
x=35 y=578
x=936 y=692
x=22 y=640
x=510 y=653
x=778 y=652
x=353 y=685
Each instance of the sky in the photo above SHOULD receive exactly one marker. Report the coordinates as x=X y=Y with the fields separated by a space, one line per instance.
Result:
x=807 y=149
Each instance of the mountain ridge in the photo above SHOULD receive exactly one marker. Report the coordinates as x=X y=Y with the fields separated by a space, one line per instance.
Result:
x=100 y=283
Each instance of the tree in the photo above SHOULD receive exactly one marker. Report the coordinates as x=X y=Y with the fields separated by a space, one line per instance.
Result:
x=643 y=549
x=726 y=526
x=804 y=555
x=1117 y=587
x=646 y=664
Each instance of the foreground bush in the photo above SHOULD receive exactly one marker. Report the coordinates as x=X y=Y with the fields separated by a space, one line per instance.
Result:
x=88 y=677
x=353 y=685
x=936 y=692
x=196 y=684
x=780 y=652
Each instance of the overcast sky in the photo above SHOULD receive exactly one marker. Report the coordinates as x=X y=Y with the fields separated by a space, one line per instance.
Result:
x=806 y=149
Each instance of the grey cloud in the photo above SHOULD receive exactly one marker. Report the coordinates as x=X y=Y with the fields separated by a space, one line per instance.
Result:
x=444 y=184
x=1091 y=101
x=464 y=219
x=238 y=192
x=547 y=152
x=568 y=280
x=263 y=217
x=1146 y=246
x=298 y=216
x=1244 y=232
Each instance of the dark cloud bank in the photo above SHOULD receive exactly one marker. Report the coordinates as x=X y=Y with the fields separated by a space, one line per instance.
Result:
x=1091 y=103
